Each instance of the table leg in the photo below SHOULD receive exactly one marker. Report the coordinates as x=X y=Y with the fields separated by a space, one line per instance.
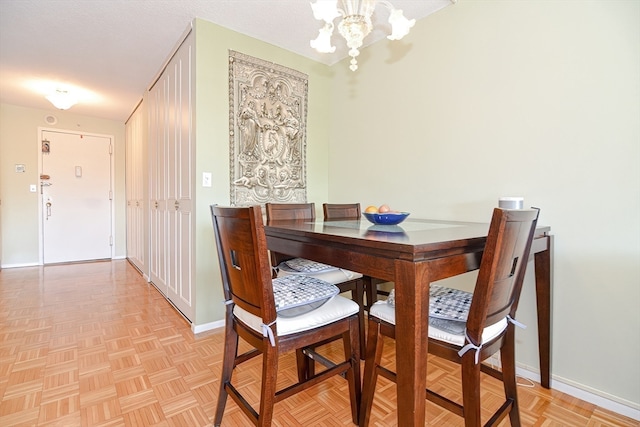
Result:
x=412 y=310
x=544 y=281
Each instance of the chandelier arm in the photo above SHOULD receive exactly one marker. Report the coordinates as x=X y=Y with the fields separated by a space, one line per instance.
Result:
x=386 y=4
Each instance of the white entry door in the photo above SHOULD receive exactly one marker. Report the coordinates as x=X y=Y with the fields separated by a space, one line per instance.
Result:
x=75 y=182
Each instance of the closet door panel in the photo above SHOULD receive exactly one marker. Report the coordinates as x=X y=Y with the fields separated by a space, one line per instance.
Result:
x=180 y=290
x=136 y=170
x=185 y=185
x=172 y=181
x=157 y=178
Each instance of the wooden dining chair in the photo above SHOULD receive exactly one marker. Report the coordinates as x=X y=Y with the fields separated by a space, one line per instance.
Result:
x=345 y=280
x=275 y=316
x=351 y=211
x=468 y=329
x=338 y=211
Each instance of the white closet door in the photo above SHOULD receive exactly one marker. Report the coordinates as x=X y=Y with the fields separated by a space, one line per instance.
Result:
x=180 y=183
x=157 y=187
x=171 y=148
x=136 y=169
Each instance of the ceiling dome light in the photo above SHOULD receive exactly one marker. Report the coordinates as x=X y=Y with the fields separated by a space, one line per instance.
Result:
x=62 y=99
x=355 y=24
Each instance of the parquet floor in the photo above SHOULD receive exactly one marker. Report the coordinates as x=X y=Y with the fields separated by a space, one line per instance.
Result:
x=95 y=345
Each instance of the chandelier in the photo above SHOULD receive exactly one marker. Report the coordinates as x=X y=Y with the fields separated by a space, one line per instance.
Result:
x=355 y=24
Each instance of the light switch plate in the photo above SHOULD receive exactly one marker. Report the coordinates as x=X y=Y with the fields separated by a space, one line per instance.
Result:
x=206 y=179
x=33 y=188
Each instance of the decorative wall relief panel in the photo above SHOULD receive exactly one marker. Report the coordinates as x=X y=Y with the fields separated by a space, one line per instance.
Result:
x=267 y=132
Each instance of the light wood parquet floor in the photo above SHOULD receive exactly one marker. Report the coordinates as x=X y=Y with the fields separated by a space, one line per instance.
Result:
x=95 y=345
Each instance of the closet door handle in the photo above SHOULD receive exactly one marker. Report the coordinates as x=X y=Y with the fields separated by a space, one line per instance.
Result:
x=177 y=205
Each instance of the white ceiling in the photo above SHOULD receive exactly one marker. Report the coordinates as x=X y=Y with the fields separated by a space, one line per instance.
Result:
x=111 y=49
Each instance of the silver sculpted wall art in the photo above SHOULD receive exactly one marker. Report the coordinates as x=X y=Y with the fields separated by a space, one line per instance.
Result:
x=267 y=132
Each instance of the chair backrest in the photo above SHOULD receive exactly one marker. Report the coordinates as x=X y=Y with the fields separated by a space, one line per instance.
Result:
x=502 y=269
x=244 y=259
x=286 y=211
x=281 y=211
x=341 y=211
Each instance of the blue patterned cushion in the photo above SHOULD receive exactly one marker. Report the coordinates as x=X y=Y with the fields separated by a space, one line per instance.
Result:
x=307 y=266
x=450 y=304
x=295 y=295
x=454 y=327
x=445 y=303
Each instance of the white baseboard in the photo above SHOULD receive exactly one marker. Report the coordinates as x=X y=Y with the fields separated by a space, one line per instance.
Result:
x=582 y=392
x=37 y=264
x=196 y=329
x=29 y=264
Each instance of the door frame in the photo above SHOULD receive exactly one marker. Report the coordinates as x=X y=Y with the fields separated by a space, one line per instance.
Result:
x=39 y=187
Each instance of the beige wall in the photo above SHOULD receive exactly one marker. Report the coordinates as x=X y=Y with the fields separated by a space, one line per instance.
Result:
x=19 y=144
x=530 y=98
x=212 y=135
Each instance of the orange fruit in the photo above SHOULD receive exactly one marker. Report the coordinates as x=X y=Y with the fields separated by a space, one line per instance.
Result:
x=384 y=209
x=371 y=209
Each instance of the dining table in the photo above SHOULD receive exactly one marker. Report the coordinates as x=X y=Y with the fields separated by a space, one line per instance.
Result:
x=413 y=254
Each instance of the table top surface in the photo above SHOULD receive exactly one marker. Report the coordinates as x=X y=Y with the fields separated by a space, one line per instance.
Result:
x=412 y=234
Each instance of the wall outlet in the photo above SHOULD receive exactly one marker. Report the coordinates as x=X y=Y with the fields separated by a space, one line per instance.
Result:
x=206 y=179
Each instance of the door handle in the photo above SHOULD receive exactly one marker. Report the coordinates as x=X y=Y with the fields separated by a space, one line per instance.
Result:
x=48 y=209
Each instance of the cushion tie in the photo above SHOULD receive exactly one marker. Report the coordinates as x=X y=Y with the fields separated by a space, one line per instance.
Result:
x=515 y=322
x=266 y=329
x=470 y=346
x=346 y=273
x=268 y=332
x=477 y=348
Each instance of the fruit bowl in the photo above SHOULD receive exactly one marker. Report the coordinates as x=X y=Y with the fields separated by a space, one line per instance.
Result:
x=387 y=218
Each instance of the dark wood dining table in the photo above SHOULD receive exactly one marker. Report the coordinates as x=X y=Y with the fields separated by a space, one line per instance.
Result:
x=412 y=255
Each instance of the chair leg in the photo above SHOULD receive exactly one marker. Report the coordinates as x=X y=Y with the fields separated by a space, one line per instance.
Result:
x=268 y=389
x=351 y=344
x=372 y=360
x=305 y=365
x=228 y=361
x=370 y=290
x=508 y=361
x=471 y=390
x=359 y=298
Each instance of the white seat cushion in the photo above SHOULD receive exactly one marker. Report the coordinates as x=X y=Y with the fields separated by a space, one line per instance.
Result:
x=333 y=310
x=386 y=312
x=332 y=275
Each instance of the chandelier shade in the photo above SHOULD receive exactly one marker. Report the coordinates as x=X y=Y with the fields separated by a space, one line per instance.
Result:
x=62 y=99
x=355 y=24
